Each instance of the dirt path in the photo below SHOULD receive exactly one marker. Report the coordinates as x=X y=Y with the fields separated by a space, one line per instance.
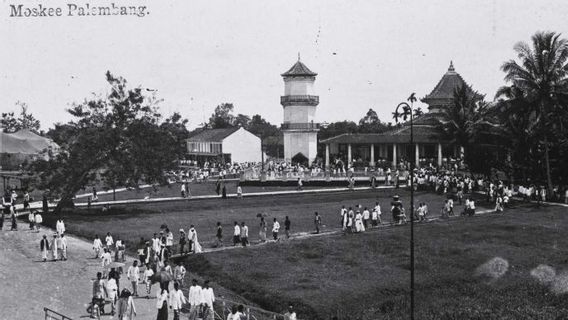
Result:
x=29 y=284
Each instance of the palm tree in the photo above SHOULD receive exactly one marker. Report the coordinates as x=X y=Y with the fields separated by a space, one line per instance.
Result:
x=541 y=79
x=459 y=122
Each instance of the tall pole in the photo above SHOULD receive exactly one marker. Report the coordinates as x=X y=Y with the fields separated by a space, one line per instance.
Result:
x=408 y=111
x=412 y=216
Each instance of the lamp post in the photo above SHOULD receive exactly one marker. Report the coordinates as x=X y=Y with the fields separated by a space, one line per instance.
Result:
x=405 y=113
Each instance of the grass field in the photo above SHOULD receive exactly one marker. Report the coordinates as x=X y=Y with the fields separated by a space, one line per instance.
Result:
x=366 y=276
x=132 y=222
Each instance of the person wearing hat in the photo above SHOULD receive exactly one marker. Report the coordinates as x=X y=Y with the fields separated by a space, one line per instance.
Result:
x=44 y=247
x=396 y=207
x=125 y=306
x=290 y=314
x=182 y=241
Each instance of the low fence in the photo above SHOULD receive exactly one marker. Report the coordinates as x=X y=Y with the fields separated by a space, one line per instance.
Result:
x=53 y=315
x=251 y=312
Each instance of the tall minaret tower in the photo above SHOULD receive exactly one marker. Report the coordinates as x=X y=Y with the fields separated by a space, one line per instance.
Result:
x=299 y=102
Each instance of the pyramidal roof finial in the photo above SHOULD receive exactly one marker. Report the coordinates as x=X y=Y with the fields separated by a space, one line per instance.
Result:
x=298 y=56
x=451 y=68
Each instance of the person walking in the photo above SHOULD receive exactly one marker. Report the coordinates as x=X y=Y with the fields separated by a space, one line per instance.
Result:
x=343 y=213
x=63 y=244
x=244 y=234
x=125 y=306
x=179 y=272
x=162 y=304
x=239 y=192
x=14 y=226
x=38 y=221
x=182 y=241
x=317 y=222
x=207 y=300
x=106 y=259
x=177 y=300
x=44 y=247
x=287 y=225
x=60 y=226
x=97 y=246
x=194 y=300
x=54 y=247
x=26 y=200
x=300 y=185
x=147 y=279
x=236 y=234
x=262 y=230
x=112 y=292
x=133 y=275
x=366 y=217
x=275 y=229
x=195 y=242
x=219 y=235
x=31 y=220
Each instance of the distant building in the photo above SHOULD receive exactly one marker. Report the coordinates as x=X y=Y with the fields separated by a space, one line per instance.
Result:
x=233 y=144
x=299 y=103
x=393 y=146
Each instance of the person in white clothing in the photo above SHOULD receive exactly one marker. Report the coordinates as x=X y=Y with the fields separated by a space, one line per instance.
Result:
x=106 y=259
x=60 y=226
x=194 y=300
x=112 y=292
x=275 y=229
x=63 y=247
x=236 y=234
x=97 y=246
x=290 y=314
x=133 y=274
x=207 y=300
x=177 y=300
x=148 y=273
x=38 y=221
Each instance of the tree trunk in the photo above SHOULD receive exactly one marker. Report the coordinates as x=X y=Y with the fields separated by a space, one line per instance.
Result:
x=547 y=163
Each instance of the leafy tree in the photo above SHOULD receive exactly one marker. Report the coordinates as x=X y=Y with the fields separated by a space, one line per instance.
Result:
x=242 y=120
x=119 y=138
x=270 y=134
x=371 y=123
x=337 y=128
x=222 y=117
x=540 y=81
x=12 y=123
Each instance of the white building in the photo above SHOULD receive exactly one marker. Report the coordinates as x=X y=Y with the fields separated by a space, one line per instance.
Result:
x=299 y=102
x=229 y=144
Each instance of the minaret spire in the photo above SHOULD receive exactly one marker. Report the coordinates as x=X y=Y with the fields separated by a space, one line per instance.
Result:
x=451 y=68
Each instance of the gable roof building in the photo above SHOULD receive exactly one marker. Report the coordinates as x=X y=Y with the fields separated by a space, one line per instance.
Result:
x=234 y=144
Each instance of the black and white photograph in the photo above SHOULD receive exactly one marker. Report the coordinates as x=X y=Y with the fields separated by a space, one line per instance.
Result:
x=284 y=160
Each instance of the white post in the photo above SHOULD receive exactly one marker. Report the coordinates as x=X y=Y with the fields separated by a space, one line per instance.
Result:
x=394 y=155
x=372 y=164
x=417 y=155
x=327 y=156
x=349 y=155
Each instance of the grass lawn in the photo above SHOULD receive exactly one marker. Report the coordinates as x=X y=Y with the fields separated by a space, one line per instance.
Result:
x=131 y=222
x=366 y=276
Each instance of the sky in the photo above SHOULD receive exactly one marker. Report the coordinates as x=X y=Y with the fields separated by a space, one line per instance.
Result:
x=201 y=53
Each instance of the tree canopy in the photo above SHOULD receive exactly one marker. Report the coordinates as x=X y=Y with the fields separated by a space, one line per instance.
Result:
x=11 y=122
x=119 y=138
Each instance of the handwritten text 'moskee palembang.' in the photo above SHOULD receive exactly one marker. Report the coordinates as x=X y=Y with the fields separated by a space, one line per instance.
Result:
x=76 y=10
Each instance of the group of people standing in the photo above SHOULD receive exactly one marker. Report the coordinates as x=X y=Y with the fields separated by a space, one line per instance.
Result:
x=56 y=247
